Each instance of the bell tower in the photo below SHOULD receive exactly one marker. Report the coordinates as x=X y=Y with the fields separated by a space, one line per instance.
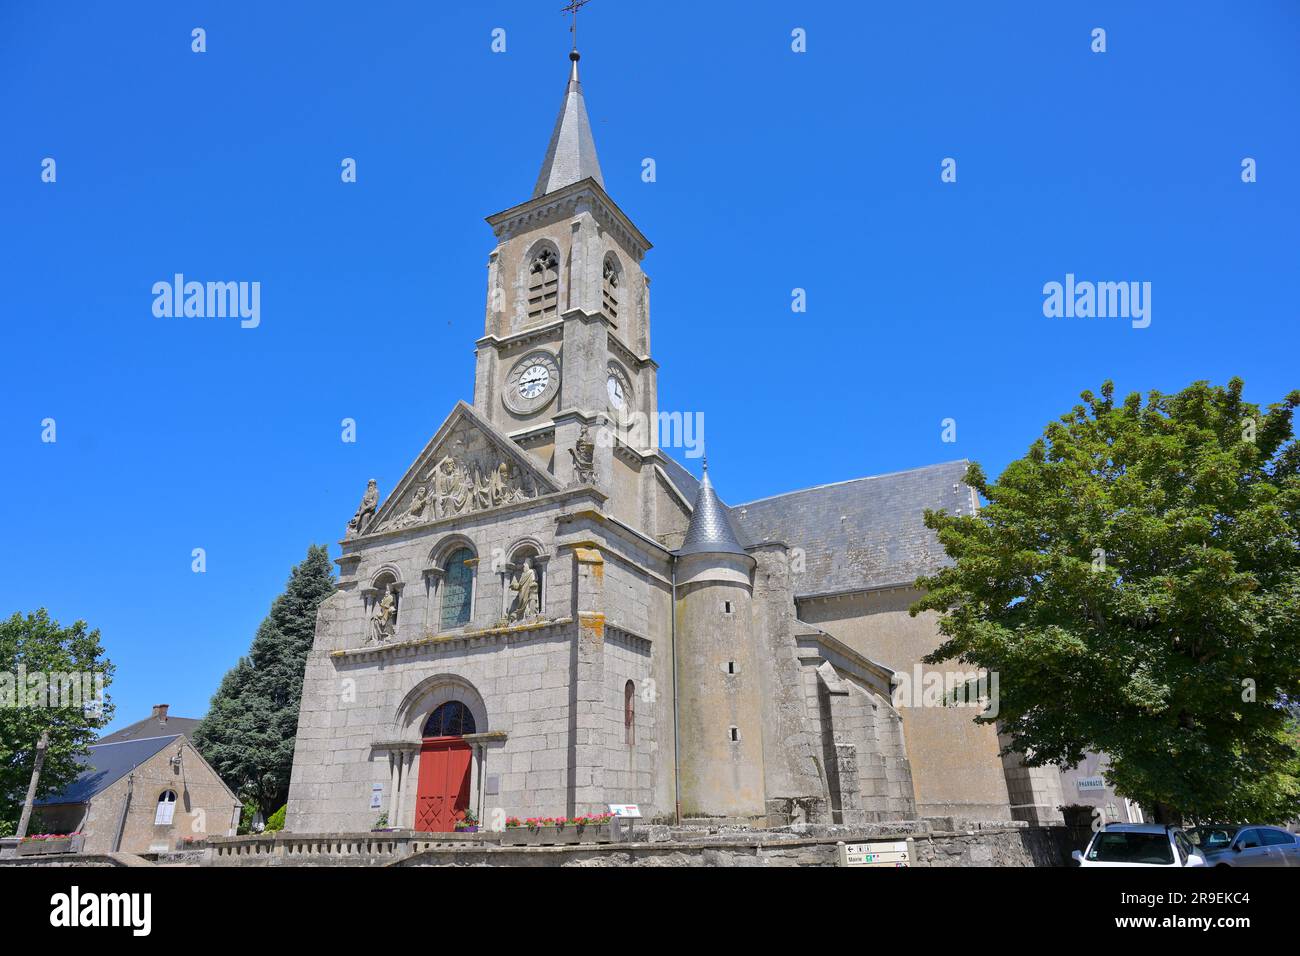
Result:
x=565 y=351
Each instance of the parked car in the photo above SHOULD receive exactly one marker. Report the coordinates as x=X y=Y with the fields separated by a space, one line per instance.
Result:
x=1139 y=844
x=1246 y=845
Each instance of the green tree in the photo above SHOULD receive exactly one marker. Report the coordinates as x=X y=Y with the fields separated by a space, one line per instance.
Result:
x=1135 y=582
x=248 y=733
x=37 y=650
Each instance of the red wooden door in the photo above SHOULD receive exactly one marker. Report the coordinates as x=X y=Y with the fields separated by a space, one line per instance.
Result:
x=442 y=796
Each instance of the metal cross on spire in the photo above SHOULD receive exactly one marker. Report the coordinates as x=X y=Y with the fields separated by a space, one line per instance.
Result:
x=573 y=7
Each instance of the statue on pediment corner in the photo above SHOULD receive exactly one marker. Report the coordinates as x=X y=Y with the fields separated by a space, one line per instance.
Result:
x=365 y=512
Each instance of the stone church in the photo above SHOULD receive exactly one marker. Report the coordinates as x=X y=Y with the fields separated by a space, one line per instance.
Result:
x=549 y=614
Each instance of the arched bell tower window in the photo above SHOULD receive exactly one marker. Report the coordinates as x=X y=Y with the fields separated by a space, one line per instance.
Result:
x=452 y=719
x=458 y=588
x=610 y=286
x=544 y=285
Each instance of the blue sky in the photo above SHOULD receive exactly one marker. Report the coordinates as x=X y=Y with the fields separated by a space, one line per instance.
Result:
x=776 y=170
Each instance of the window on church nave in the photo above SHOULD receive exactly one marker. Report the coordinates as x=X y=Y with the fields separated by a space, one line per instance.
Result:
x=629 y=713
x=452 y=719
x=457 y=588
x=544 y=285
x=609 y=287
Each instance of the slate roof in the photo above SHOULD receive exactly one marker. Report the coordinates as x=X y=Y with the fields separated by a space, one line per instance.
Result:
x=710 y=530
x=686 y=483
x=105 y=765
x=571 y=153
x=859 y=534
x=151 y=727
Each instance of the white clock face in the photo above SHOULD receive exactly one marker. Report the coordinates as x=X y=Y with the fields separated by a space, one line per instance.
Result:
x=532 y=384
x=534 y=381
x=615 y=389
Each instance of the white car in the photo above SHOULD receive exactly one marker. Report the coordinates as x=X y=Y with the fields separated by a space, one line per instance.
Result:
x=1139 y=844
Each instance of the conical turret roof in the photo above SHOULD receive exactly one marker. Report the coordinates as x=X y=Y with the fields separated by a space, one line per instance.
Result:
x=710 y=530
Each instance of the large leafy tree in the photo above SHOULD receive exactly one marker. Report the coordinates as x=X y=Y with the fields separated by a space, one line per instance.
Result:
x=1135 y=582
x=248 y=733
x=35 y=648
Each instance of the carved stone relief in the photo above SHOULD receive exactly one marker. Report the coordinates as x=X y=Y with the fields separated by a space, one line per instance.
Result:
x=584 y=458
x=462 y=482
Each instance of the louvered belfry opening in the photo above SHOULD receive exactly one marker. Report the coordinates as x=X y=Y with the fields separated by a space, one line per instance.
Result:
x=544 y=285
x=610 y=288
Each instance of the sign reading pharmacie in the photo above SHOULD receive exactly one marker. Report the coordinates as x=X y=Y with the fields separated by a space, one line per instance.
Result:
x=892 y=853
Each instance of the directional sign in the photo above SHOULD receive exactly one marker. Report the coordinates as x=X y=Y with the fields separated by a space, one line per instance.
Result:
x=890 y=853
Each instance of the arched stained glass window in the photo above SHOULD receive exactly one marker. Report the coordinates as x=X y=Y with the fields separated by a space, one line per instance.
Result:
x=457 y=588
x=451 y=719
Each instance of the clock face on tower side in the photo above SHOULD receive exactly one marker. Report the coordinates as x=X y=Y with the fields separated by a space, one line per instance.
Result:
x=533 y=381
x=618 y=388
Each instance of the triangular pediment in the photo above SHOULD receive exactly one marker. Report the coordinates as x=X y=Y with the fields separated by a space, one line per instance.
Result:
x=469 y=466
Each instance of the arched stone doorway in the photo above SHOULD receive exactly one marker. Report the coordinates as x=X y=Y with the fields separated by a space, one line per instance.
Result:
x=443 y=790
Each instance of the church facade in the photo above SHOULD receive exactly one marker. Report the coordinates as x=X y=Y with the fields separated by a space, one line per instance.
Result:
x=549 y=614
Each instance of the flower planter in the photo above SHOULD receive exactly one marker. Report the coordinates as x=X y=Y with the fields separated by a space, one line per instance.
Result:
x=568 y=835
x=39 y=847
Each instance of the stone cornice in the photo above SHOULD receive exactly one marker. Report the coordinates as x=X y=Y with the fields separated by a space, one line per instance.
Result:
x=838 y=647
x=626 y=354
x=523 y=337
x=409 y=746
x=854 y=592
x=454 y=521
x=616 y=529
x=562 y=204
x=396 y=649
x=636 y=639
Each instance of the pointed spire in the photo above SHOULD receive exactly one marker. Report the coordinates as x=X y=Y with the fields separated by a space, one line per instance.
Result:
x=710 y=530
x=571 y=155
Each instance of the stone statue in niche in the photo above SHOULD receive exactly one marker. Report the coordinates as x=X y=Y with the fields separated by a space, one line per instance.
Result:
x=383 y=619
x=365 y=511
x=525 y=604
x=584 y=458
